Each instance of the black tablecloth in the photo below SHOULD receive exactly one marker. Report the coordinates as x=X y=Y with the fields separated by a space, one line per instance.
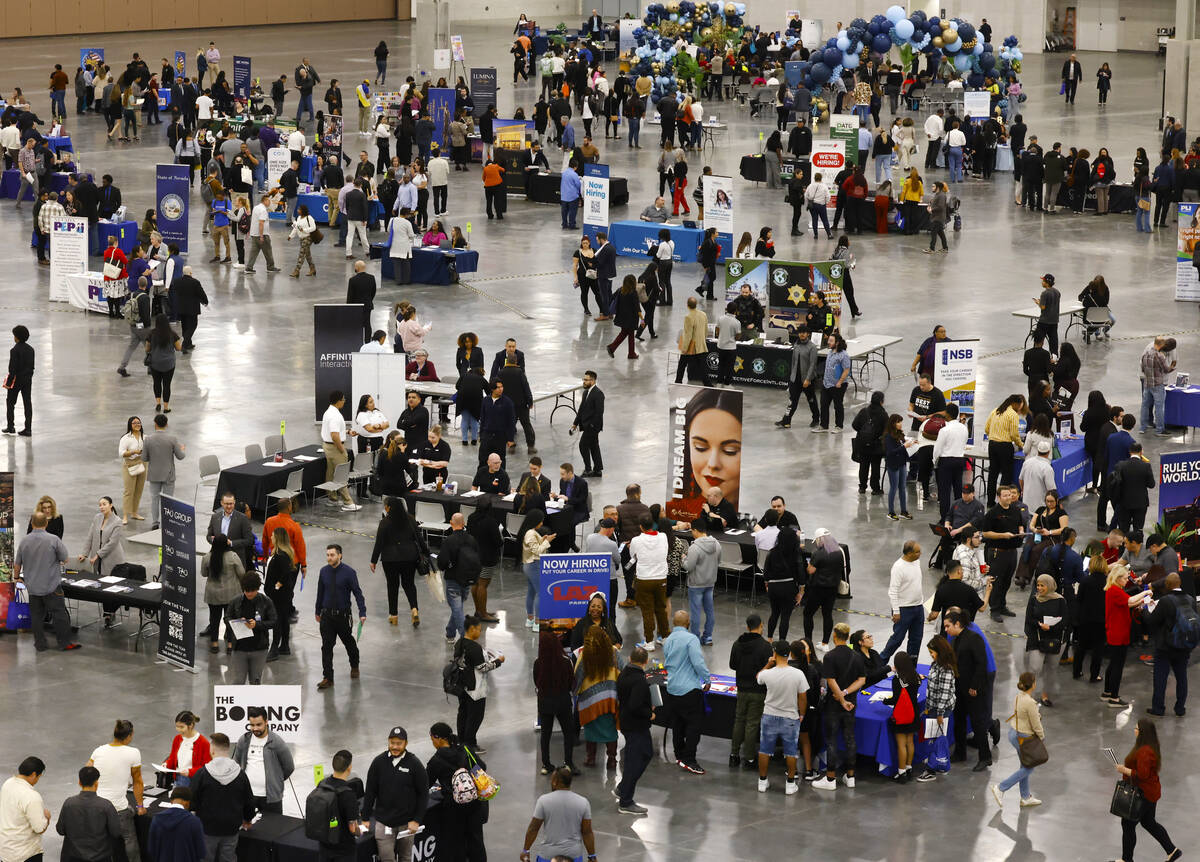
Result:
x=544 y=189
x=1121 y=199
x=754 y=168
x=250 y=483
x=137 y=597
x=755 y=363
x=719 y=709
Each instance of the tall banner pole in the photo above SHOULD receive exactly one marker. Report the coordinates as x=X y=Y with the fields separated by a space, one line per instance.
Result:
x=704 y=447
x=177 y=620
x=595 y=200
x=1187 y=254
x=955 y=371
x=172 y=194
x=337 y=336
x=68 y=254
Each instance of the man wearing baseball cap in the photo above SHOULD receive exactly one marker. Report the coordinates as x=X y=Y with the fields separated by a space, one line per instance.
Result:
x=397 y=793
x=1047 y=323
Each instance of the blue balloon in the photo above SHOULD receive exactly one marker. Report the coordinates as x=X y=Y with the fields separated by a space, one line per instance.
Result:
x=978 y=49
x=874 y=28
x=904 y=28
x=881 y=44
x=954 y=47
x=966 y=32
x=820 y=73
x=850 y=61
x=962 y=63
x=935 y=21
x=859 y=24
x=894 y=13
x=843 y=43
x=831 y=57
x=1016 y=54
x=988 y=62
x=975 y=79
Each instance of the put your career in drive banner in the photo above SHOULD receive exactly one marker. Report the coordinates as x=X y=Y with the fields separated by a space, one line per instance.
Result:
x=567 y=581
x=785 y=287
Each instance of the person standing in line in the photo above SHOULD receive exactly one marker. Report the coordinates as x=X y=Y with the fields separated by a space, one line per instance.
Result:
x=1135 y=479
x=648 y=553
x=87 y=822
x=971 y=695
x=693 y=346
x=336 y=584
x=333 y=430
x=396 y=798
x=21 y=371
x=701 y=563
x=1003 y=534
x=949 y=457
x=360 y=290
x=687 y=680
x=472 y=700
x=727 y=331
x=223 y=800
x=1042 y=636
x=785 y=703
x=554 y=677
x=39 y=563
x=160 y=451
x=589 y=422
x=1026 y=723
x=24 y=818
x=1141 y=768
x=636 y=714
x=259 y=614
x=344 y=824
x=844 y=673
x=567 y=820
x=461 y=566
x=1170 y=656
x=1004 y=439
x=120 y=765
x=939 y=703
x=176 y=834
x=283 y=564
x=266 y=760
x=1118 y=620
x=748 y=655
x=1155 y=367
x=907 y=600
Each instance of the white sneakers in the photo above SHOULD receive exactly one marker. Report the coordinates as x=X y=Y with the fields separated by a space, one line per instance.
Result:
x=789 y=788
x=997 y=794
x=353 y=507
x=648 y=646
x=1030 y=801
x=825 y=783
x=849 y=779
x=763 y=785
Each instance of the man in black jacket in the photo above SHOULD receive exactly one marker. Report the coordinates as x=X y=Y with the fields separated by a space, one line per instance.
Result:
x=1136 y=478
x=110 y=197
x=748 y=655
x=88 y=823
x=1033 y=172
x=516 y=387
x=258 y=613
x=459 y=562
x=20 y=373
x=971 y=696
x=589 y=421
x=497 y=424
x=636 y=713
x=606 y=271
x=188 y=295
x=1071 y=74
x=1100 y=459
x=800 y=143
x=289 y=181
x=360 y=290
x=231 y=522
x=397 y=794
x=87 y=198
x=1169 y=659
x=343 y=849
x=509 y=353
x=222 y=799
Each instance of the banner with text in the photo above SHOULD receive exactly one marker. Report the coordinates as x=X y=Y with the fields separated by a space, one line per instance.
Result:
x=828 y=158
x=844 y=127
x=786 y=288
x=594 y=192
x=281 y=702
x=704 y=447
x=441 y=112
x=337 y=335
x=241 y=77
x=977 y=104
x=718 y=204
x=567 y=581
x=278 y=161
x=1187 y=256
x=626 y=39
x=329 y=144
x=955 y=373
x=180 y=63
x=7 y=547
x=1179 y=499
x=68 y=254
x=483 y=89
x=177 y=572
x=172 y=194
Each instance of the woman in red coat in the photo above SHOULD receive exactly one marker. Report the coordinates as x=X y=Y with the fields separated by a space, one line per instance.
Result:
x=1141 y=768
x=189 y=750
x=1118 y=615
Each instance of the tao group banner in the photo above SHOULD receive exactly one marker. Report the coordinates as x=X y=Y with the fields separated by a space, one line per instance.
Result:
x=177 y=617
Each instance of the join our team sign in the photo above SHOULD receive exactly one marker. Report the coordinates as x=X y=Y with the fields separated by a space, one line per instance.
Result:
x=568 y=581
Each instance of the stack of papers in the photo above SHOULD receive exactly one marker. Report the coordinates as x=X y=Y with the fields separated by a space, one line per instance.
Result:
x=282 y=463
x=116 y=588
x=472 y=493
x=82 y=582
x=152 y=585
x=306 y=457
x=111 y=579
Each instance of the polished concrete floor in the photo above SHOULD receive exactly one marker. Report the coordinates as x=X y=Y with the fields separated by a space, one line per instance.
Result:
x=252 y=367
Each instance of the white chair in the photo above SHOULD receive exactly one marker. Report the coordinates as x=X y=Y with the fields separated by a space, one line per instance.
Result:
x=361 y=471
x=274 y=443
x=512 y=528
x=431 y=517
x=1094 y=319
x=210 y=474
x=341 y=478
x=731 y=564
x=254 y=453
x=292 y=489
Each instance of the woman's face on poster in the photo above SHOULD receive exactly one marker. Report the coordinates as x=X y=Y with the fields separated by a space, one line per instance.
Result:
x=715 y=443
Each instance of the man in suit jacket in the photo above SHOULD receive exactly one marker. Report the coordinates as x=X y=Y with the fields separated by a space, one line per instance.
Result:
x=606 y=271
x=188 y=295
x=160 y=452
x=235 y=526
x=693 y=345
x=87 y=198
x=361 y=290
x=497 y=424
x=516 y=387
x=509 y=352
x=540 y=479
x=589 y=422
x=531 y=161
x=110 y=197
x=1137 y=478
x=1072 y=72
x=573 y=494
x=595 y=24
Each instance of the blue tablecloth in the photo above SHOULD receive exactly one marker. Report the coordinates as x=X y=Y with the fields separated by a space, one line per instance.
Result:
x=318 y=207
x=124 y=231
x=10 y=184
x=164 y=98
x=1004 y=158
x=1072 y=471
x=307 y=165
x=633 y=238
x=872 y=735
x=60 y=142
x=1183 y=406
x=430 y=266
x=58 y=182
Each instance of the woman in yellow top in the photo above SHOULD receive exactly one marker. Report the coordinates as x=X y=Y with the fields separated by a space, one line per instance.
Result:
x=911 y=192
x=1004 y=439
x=533 y=545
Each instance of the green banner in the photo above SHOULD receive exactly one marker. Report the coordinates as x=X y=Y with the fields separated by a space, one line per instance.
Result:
x=786 y=287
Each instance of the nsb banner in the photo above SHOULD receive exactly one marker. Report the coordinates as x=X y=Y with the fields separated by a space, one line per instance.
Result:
x=704 y=447
x=786 y=288
x=1187 y=260
x=955 y=369
x=241 y=77
x=594 y=193
x=172 y=194
x=177 y=572
x=567 y=581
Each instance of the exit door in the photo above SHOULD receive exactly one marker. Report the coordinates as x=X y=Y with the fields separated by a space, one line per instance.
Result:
x=1098 y=25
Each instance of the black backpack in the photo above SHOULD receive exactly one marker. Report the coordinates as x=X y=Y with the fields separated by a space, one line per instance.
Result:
x=1185 y=631
x=454 y=674
x=322 y=817
x=1114 y=485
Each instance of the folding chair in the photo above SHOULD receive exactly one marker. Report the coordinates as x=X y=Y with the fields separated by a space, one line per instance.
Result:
x=254 y=453
x=731 y=564
x=274 y=443
x=512 y=525
x=341 y=478
x=431 y=517
x=363 y=462
x=292 y=489
x=1095 y=318
x=210 y=474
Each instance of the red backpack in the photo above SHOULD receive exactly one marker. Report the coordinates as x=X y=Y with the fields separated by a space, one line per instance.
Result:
x=904 y=712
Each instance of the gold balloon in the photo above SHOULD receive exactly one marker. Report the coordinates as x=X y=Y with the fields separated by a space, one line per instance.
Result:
x=824 y=115
x=673 y=6
x=730 y=9
x=706 y=33
x=688 y=26
x=938 y=42
x=945 y=26
x=656 y=67
x=969 y=46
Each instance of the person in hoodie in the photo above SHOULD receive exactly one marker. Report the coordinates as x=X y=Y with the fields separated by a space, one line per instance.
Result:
x=258 y=612
x=701 y=564
x=222 y=799
x=462 y=823
x=748 y=655
x=266 y=759
x=397 y=794
x=176 y=834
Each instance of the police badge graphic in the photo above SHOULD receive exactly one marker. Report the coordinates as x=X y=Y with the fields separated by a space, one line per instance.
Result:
x=735 y=268
x=835 y=271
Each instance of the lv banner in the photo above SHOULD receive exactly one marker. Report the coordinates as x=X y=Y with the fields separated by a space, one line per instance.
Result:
x=704 y=447
x=1187 y=253
x=337 y=336
x=785 y=288
x=568 y=580
x=10 y=618
x=172 y=194
x=177 y=620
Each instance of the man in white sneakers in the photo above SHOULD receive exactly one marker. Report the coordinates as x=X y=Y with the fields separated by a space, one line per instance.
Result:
x=844 y=675
x=648 y=551
x=786 y=702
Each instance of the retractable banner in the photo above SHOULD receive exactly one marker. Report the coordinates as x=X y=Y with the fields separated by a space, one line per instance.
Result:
x=68 y=254
x=172 y=194
x=441 y=112
x=241 y=77
x=10 y=619
x=595 y=200
x=1187 y=255
x=704 y=447
x=180 y=63
x=337 y=336
x=955 y=372
x=483 y=88
x=177 y=572
x=568 y=580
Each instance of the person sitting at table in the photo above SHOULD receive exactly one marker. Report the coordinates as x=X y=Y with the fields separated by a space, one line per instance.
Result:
x=717 y=512
x=589 y=151
x=395 y=475
x=457 y=240
x=435 y=234
x=531 y=162
x=862 y=642
x=372 y=424
x=658 y=212
x=377 y=344
x=420 y=368
x=433 y=455
x=490 y=479
x=54 y=521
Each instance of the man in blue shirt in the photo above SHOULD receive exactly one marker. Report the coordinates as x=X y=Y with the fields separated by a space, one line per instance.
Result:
x=497 y=425
x=687 y=680
x=336 y=585
x=568 y=191
x=220 y=219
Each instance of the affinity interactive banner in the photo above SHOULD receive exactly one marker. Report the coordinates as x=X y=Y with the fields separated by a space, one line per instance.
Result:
x=68 y=254
x=785 y=288
x=718 y=204
x=177 y=572
x=7 y=516
x=329 y=144
x=567 y=581
x=241 y=77
x=844 y=127
x=1187 y=260
x=828 y=158
x=594 y=192
x=704 y=447
x=281 y=702
x=172 y=194
x=337 y=335
x=180 y=63
x=92 y=57
x=483 y=88
x=441 y=112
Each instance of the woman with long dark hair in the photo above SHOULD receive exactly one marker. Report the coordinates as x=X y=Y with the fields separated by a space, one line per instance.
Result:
x=626 y=318
x=280 y=586
x=596 y=695
x=926 y=353
x=1141 y=768
x=1095 y=417
x=399 y=544
x=1096 y=295
x=372 y=422
x=804 y=658
x=895 y=453
x=393 y=468
x=826 y=569
x=162 y=345
x=939 y=703
x=133 y=469
x=785 y=583
x=1066 y=375
x=554 y=678
x=906 y=685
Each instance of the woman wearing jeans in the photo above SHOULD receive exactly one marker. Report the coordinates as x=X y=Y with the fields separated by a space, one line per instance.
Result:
x=533 y=545
x=837 y=371
x=1025 y=722
x=1141 y=767
x=895 y=460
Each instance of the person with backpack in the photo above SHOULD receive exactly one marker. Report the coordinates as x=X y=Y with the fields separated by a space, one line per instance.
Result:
x=331 y=813
x=473 y=664
x=397 y=793
x=1026 y=723
x=1176 y=629
x=460 y=565
x=870 y=424
x=462 y=812
x=904 y=720
x=137 y=315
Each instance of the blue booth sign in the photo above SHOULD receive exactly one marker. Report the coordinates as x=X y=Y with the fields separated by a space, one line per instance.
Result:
x=568 y=581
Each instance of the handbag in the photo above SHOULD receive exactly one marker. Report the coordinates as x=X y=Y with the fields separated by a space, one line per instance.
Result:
x=18 y=610
x=137 y=469
x=437 y=587
x=1144 y=204
x=486 y=786
x=112 y=270
x=316 y=236
x=1031 y=750
x=1128 y=801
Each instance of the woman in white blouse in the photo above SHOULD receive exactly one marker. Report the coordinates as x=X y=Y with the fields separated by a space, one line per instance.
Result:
x=133 y=469
x=304 y=227
x=372 y=424
x=665 y=255
x=401 y=242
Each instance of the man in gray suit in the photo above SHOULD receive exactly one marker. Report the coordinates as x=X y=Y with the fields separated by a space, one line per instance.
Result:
x=235 y=526
x=160 y=453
